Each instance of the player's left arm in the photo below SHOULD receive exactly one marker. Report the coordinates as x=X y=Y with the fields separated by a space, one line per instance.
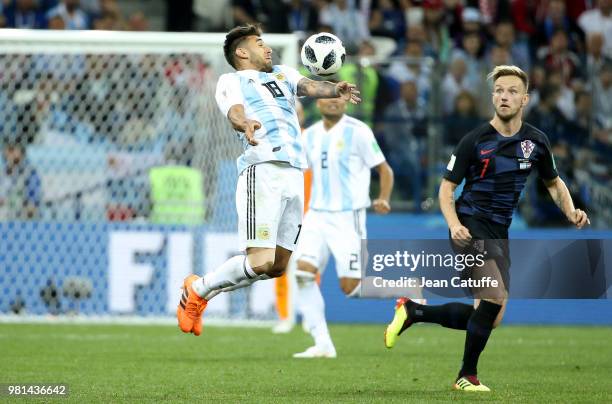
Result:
x=556 y=187
x=381 y=204
x=327 y=89
x=561 y=195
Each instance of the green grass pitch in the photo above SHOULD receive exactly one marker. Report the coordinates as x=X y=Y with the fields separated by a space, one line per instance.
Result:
x=102 y=364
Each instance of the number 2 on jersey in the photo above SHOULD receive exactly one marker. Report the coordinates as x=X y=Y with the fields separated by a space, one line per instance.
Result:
x=324 y=159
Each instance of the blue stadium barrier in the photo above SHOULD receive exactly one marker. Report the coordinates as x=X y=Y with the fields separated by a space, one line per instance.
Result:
x=31 y=253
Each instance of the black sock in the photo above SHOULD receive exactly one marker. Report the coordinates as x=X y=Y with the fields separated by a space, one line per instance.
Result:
x=450 y=315
x=479 y=328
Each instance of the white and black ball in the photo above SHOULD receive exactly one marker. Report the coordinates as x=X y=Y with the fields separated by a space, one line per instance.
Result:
x=323 y=54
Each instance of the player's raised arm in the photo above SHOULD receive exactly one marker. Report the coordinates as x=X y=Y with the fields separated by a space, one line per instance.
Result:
x=563 y=199
x=327 y=89
x=241 y=123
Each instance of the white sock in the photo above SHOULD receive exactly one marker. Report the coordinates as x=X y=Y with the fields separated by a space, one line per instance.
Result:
x=231 y=273
x=312 y=307
x=242 y=284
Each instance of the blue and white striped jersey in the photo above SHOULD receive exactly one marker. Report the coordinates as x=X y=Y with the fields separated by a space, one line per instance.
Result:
x=268 y=98
x=341 y=160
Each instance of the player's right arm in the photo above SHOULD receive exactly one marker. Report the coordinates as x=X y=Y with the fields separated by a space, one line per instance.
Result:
x=455 y=173
x=231 y=103
x=446 y=196
x=241 y=123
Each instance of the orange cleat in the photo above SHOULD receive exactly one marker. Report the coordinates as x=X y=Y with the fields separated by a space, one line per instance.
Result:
x=190 y=308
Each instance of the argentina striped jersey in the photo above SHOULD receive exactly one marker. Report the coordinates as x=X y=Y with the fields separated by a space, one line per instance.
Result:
x=268 y=98
x=341 y=160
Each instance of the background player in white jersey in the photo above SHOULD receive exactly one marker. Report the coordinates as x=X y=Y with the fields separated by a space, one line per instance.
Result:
x=341 y=153
x=259 y=101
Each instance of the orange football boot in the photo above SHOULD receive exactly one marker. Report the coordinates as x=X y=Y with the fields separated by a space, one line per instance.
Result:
x=190 y=308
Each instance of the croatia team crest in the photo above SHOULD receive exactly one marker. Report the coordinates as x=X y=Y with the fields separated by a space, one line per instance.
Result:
x=527 y=146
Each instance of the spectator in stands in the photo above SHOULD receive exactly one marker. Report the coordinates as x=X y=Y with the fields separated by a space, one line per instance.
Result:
x=416 y=33
x=272 y=14
x=558 y=56
x=556 y=19
x=408 y=113
x=302 y=16
x=176 y=193
x=455 y=81
x=471 y=20
x=20 y=185
x=348 y=23
x=436 y=32
x=452 y=18
x=581 y=126
x=546 y=116
x=414 y=68
x=599 y=20
x=110 y=17
x=405 y=131
x=25 y=14
x=463 y=119
x=387 y=19
x=69 y=15
x=472 y=51
x=91 y=7
x=536 y=81
x=519 y=51
x=602 y=97
x=565 y=102
x=524 y=14
x=366 y=78
x=595 y=59
x=138 y=22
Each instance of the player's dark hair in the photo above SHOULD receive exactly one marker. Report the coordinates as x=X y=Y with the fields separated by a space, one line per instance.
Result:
x=234 y=38
x=507 y=70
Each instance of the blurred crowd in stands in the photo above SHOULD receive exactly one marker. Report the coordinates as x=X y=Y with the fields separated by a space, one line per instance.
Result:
x=69 y=15
x=421 y=66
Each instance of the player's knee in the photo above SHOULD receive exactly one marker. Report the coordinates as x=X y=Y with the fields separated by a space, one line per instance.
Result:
x=276 y=269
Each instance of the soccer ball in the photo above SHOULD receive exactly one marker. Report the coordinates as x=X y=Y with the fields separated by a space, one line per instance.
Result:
x=323 y=54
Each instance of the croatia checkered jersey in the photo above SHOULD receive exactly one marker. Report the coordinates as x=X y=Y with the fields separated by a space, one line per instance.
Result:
x=496 y=168
x=341 y=160
x=268 y=98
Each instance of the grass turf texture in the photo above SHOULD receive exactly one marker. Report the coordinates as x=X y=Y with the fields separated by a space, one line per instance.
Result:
x=158 y=363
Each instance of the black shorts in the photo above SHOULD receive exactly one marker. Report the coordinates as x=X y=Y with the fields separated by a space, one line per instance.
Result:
x=490 y=238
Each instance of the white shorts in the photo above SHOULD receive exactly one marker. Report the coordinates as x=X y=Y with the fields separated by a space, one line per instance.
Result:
x=270 y=204
x=337 y=232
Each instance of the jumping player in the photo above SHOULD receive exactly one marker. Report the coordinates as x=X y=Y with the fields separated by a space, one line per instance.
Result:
x=259 y=101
